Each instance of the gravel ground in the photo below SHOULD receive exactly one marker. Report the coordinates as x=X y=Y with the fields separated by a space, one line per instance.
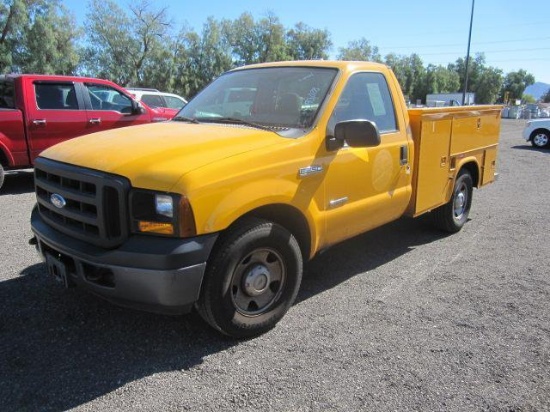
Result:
x=402 y=318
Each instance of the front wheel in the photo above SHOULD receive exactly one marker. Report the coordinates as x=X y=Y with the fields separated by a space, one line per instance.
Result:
x=454 y=214
x=252 y=279
x=540 y=139
x=2 y=174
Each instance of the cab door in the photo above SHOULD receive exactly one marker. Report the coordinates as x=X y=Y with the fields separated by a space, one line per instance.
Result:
x=55 y=112
x=367 y=187
x=109 y=108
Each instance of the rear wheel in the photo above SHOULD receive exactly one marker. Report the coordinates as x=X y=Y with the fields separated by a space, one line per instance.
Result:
x=540 y=139
x=252 y=280
x=452 y=216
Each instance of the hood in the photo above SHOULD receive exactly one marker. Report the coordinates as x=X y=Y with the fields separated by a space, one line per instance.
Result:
x=157 y=155
x=159 y=114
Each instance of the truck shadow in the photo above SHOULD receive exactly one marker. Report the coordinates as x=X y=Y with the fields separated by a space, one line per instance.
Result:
x=364 y=253
x=18 y=182
x=63 y=348
x=531 y=149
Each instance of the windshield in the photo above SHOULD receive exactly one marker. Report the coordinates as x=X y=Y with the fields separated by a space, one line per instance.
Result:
x=277 y=97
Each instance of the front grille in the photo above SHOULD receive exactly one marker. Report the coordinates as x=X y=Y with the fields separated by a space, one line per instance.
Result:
x=95 y=203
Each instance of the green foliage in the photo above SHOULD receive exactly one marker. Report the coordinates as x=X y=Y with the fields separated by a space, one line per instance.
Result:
x=516 y=82
x=37 y=36
x=485 y=82
x=359 y=50
x=410 y=73
x=441 y=80
x=207 y=56
x=256 y=42
x=121 y=46
x=273 y=44
x=139 y=45
x=306 y=43
x=546 y=97
x=488 y=86
x=527 y=98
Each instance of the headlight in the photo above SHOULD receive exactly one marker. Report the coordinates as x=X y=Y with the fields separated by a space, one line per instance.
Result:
x=161 y=214
x=164 y=204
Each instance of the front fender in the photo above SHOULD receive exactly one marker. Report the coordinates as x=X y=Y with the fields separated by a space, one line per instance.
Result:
x=213 y=216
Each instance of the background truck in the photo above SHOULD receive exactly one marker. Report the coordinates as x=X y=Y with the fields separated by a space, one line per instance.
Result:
x=38 y=111
x=219 y=211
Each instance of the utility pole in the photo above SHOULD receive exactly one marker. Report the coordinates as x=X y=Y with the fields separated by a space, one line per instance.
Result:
x=468 y=56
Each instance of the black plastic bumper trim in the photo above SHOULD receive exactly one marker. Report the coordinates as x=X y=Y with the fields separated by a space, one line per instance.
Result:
x=139 y=251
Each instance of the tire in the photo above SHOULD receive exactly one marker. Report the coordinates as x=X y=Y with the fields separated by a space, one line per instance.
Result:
x=2 y=175
x=252 y=279
x=452 y=216
x=540 y=139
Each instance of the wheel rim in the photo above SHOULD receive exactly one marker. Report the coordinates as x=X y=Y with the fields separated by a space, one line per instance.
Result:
x=540 y=140
x=258 y=281
x=460 y=203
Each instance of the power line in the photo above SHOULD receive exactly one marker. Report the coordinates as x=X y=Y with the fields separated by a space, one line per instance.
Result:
x=478 y=30
x=488 y=51
x=462 y=44
x=535 y=59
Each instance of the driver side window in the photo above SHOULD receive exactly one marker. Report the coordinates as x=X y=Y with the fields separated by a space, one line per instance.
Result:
x=366 y=97
x=106 y=98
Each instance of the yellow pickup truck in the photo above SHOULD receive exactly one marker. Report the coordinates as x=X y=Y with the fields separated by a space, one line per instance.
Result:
x=218 y=209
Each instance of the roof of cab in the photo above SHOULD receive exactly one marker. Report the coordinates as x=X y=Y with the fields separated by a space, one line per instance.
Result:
x=339 y=64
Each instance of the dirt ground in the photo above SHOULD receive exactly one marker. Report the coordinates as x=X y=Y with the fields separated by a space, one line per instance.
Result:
x=402 y=318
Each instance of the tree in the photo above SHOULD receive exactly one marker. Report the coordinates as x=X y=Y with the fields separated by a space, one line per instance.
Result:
x=122 y=47
x=516 y=82
x=359 y=50
x=485 y=82
x=205 y=57
x=272 y=34
x=410 y=73
x=256 y=42
x=12 y=22
x=441 y=80
x=546 y=97
x=37 y=36
x=306 y=43
x=474 y=68
x=244 y=37
x=527 y=98
x=489 y=85
x=50 y=42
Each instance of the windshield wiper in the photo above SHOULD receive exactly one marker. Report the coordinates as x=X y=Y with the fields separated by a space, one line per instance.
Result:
x=185 y=119
x=235 y=120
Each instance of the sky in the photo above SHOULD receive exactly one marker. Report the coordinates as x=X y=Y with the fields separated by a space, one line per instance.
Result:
x=513 y=35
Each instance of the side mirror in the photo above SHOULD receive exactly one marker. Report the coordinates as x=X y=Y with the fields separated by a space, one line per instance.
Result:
x=137 y=108
x=356 y=133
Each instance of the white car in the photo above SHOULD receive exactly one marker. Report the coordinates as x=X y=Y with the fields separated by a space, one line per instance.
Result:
x=538 y=133
x=154 y=98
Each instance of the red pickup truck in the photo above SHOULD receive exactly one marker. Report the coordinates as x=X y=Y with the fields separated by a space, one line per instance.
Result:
x=38 y=111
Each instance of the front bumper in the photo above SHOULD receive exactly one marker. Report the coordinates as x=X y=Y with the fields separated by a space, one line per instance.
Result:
x=156 y=274
x=526 y=134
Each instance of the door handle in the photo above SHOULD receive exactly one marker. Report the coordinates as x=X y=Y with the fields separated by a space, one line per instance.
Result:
x=95 y=120
x=39 y=122
x=404 y=155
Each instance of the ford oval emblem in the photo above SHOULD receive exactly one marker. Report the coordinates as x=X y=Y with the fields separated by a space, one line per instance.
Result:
x=58 y=201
